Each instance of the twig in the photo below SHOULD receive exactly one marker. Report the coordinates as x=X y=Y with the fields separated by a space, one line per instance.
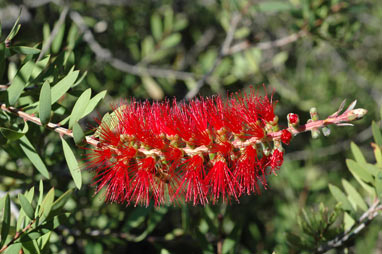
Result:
x=57 y=128
x=106 y=55
x=18 y=235
x=349 y=115
x=362 y=222
x=55 y=30
x=241 y=46
x=225 y=47
x=329 y=150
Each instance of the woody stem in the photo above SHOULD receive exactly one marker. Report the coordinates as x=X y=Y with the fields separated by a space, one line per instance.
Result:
x=346 y=117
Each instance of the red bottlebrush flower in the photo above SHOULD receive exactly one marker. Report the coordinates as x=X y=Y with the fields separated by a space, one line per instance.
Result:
x=286 y=136
x=246 y=171
x=221 y=181
x=192 y=185
x=201 y=151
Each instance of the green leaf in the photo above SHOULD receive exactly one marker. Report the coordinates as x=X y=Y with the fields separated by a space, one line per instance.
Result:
x=64 y=85
x=33 y=156
x=274 y=6
x=13 y=249
x=156 y=26
x=56 y=43
x=378 y=184
x=46 y=205
x=340 y=197
x=171 y=41
x=357 y=153
x=359 y=171
x=80 y=79
x=45 y=104
x=19 y=82
x=78 y=134
x=72 y=164
x=15 y=29
x=26 y=206
x=348 y=221
x=79 y=107
x=377 y=154
x=6 y=218
x=25 y=50
x=152 y=88
x=354 y=195
x=61 y=201
x=13 y=135
x=37 y=73
x=376 y=133
x=93 y=103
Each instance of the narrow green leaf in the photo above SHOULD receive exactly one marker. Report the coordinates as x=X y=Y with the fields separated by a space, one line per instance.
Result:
x=378 y=184
x=61 y=201
x=15 y=28
x=80 y=79
x=79 y=107
x=45 y=105
x=93 y=103
x=376 y=133
x=354 y=195
x=37 y=73
x=40 y=197
x=340 y=197
x=171 y=41
x=72 y=164
x=274 y=6
x=25 y=50
x=13 y=249
x=78 y=134
x=156 y=26
x=2 y=60
x=152 y=88
x=377 y=154
x=359 y=171
x=6 y=220
x=46 y=205
x=33 y=156
x=26 y=206
x=56 y=43
x=63 y=85
x=357 y=153
x=19 y=82
x=13 y=135
x=348 y=221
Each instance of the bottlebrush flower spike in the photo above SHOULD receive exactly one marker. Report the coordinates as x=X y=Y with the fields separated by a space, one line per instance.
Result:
x=199 y=152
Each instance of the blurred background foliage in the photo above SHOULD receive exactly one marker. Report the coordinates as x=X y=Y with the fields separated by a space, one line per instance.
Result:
x=308 y=52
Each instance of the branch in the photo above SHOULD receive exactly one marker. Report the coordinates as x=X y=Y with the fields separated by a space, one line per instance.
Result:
x=349 y=115
x=362 y=222
x=225 y=47
x=241 y=46
x=55 y=127
x=18 y=235
x=106 y=55
x=55 y=30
